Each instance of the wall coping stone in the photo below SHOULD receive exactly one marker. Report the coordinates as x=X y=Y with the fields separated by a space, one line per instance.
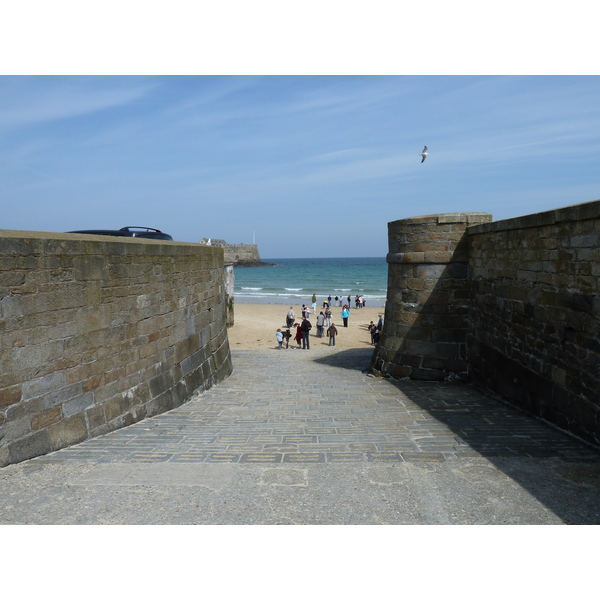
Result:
x=575 y=212
x=463 y=217
x=99 y=244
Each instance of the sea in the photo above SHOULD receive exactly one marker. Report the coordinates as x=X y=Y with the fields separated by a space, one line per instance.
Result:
x=293 y=281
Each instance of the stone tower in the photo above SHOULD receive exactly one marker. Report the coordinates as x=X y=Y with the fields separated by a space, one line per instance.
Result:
x=426 y=316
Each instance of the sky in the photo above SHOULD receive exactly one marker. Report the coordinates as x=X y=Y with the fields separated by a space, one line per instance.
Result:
x=305 y=166
x=260 y=122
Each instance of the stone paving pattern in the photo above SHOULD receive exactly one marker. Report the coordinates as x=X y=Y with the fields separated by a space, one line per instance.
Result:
x=300 y=410
x=314 y=420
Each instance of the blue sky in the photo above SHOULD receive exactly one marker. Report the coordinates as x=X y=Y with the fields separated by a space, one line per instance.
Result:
x=308 y=166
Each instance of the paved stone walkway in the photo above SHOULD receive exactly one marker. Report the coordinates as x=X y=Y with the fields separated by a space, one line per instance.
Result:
x=296 y=437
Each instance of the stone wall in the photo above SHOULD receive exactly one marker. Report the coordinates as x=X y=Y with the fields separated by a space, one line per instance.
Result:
x=513 y=305
x=241 y=253
x=534 y=332
x=98 y=332
x=427 y=308
x=235 y=254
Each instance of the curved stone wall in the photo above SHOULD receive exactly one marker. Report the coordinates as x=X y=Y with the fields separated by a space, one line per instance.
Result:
x=426 y=316
x=98 y=332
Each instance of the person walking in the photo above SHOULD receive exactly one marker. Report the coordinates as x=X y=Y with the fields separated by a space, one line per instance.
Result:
x=345 y=314
x=320 y=323
x=305 y=328
x=331 y=333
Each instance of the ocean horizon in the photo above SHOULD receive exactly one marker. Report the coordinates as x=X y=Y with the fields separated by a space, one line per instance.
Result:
x=293 y=281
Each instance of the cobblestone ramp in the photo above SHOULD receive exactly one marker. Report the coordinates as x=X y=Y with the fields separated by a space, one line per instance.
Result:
x=307 y=437
x=297 y=406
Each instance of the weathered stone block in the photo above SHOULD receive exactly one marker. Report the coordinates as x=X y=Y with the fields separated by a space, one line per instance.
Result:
x=46 y=418
x=10 y=395
x=68 y=431
x=35 y=444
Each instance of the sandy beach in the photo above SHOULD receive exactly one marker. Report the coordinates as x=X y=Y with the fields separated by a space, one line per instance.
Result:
x=256 y=324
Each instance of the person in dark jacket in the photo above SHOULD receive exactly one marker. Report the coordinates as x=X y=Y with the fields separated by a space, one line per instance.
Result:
x=305 y=327
x=331 y=333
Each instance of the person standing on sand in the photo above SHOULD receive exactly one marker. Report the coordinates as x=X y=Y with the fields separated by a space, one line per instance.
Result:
x=327 y=317
x=372 y=327
x=289 y=320
x=286 y=336
x=331 y=333
x=279 y=337
x=345 y=314
x=376 y=337
x=305 y=327
x=320 y=323
x=314 y=299
x=298 y=334
x=380 y=323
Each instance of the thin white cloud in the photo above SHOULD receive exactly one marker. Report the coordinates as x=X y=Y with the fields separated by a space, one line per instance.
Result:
x=27 y=100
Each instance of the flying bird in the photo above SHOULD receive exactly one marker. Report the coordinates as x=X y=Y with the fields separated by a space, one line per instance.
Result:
x=423 y=154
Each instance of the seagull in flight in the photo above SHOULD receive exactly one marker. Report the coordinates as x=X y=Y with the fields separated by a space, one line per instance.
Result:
x=423 y=154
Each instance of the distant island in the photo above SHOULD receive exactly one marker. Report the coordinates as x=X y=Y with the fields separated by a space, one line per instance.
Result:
x=238 y=255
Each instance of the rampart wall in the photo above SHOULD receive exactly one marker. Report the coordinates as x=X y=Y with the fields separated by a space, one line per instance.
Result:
x=513 y=305
x=241 y=253
x=97 y=333
x=534 y=334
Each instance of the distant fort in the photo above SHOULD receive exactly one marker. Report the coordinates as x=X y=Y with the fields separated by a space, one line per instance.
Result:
x=238 y=255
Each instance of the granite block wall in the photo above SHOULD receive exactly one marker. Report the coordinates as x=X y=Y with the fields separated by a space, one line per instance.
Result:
x=513 y=306
x=534 y=335
x=427 y=308
x=98 y=332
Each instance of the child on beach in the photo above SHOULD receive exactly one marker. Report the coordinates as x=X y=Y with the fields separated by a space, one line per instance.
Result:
x=298 y=334
x=286 y=336
x=279 y=337
x=376 y=337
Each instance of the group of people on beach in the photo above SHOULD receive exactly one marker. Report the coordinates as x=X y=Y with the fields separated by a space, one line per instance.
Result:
x=339 y=301
x=324 y=324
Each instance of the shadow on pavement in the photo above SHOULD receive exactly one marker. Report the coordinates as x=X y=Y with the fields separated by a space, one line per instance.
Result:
x=560 y=471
